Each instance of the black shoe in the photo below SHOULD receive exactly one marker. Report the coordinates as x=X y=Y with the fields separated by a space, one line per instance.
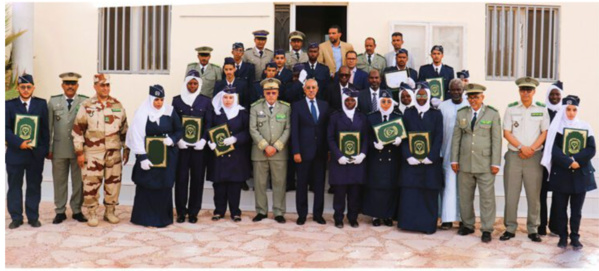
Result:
x=192 y=219
x=280 y=219
x=486 y=238
x=15 y=224
x=331 y=190
x=300 y=220
x=339 y=224
x=354 y=223
x=576 y=245
x=259 y=217
x=34 y=223
x=320 y=220
x=236 y=218
x=535 y=237
x=311 y=189
x=465 y=231
x=180 y=218
x=542 y=230
x=446 y=225
x=388 y=222
x=217 y=217
x=507 y=236
x=59 y=218
x=244 y=186
x=79 y=217
x=553 y=234
x=376 y=222
x=563 y=243
x=290 y=188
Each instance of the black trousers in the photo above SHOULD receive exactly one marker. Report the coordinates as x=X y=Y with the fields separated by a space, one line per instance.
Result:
x=189 y=191
x=351 y=192
x=543 y=198
x=310 y=172
x=14 y=197
x=560 y=201
x=227 y=193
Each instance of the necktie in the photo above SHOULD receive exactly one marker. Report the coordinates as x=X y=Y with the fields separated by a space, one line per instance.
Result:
x=261 y=53
x=297 y=55
x=473 y=122
x=385 y=118
x=202 y=70
x=437 y=71
x=374 y=102
x=311 y=66
x=25 y=104
x=313 y=111
x=421 y=115
x=230 y=84
x=351 y=78
x=237 y=66
x=270 y=108
x=369 y=60
x=70 y=101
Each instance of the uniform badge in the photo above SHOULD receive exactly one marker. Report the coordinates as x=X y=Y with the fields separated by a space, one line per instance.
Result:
x=57 y=118
x=90 y=113
x=516 y=124
x=260 y=124
x=463 y=122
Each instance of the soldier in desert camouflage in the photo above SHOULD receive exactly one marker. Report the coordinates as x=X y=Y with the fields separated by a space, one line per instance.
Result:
x=98 y=135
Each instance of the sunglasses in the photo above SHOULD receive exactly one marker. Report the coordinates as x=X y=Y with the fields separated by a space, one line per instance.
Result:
x=270 y=93
x=69 y=83
x=24 y=87
x=343 y=74
x=420 y=96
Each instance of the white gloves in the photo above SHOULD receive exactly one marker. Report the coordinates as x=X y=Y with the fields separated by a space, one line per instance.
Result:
x=343 y=160
x=182 y=144
x=211 y=145
x=435 y=102
x=426 y=161
x=199 y=145
x=358 y=158
x=302 y=76
x=230 y=140
x=397 y=141
x=379 y=146
x=413 y=161
x=146 y=164
x=168 y=141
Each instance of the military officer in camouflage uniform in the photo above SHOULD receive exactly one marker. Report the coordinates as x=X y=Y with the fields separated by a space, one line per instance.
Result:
x=370 y=60
x=259 y=56
x=98 y=136
x=476 y=157
x=62 y=109
x=210 y=73
x=296 y=55
x=270 y=129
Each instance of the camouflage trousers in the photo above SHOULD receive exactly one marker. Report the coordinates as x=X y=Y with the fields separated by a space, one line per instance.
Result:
x=102 y=166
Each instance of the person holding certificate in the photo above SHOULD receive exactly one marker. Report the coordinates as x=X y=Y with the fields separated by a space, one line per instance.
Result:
x=568 y=152
x=156 y=162
x=421 y=177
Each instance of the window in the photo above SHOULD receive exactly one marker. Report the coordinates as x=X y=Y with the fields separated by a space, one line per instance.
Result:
x=134 y=39
x=419 y=38
x=522 y=41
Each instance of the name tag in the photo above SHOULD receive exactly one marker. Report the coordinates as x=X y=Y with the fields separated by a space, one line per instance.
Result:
x=486 y=122
x=116 y=110
x=281 y=116
x=539 y=114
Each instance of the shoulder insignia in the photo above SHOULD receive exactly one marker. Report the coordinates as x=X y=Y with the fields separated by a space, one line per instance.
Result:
x=217 y=66
x=57 y=95
x=12 y=99
x=83 y=96
x=360 y=54
x=379 y=55
x=463 y=108
x=257 y=102
x=513 y=104
x=371 y=112
x=284 y=103
x=268 y=50
x=192 y=64
x=540 y=104
x=248 y=49
x=492 y=108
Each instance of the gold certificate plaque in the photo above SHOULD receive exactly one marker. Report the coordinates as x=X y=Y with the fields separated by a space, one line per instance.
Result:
x=386 y=132
x=217 y=136
x=349 y=143
x=419 y=144
x=575 y=140
x=26 y=128
x=156 y=151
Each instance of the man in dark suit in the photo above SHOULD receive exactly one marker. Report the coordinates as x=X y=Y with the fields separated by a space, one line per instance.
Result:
x=437 y=69
x=358 y=78
x=335 y=88
x=369 y=98
x=283 y=74
x=231 y=80
x=243 y=70
x=317 y=70
x=309 y=120
x=25 y=153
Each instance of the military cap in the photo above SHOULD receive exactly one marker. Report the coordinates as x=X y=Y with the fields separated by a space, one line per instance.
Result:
x=312 y=45
x=463 y=74
x=473 y=88
x=571 y=100
x=296 y=35
x=238 y=45
x=402 y=51
x=157 y=91
x=229 y=60
x=25 y=78
x=438 y=48
x=559 y=85
x=270 y=83
x=406 y=86
x=298 y=67
x=350 y=92
x=193 y=73
x=279 y=52
x=261 y=34
x=271 y=64
x=70 y=76
x=204 y=50
x=102 y=78
x=386 y=94
x=229 y=90
x=421 y=85
x=527 y=81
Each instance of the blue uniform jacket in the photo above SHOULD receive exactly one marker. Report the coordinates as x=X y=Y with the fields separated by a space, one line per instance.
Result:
x=383 y=165
x=201 y=107
x=14 y=154
x=350 y=173
x=234 y=166
x=572 y=181
x=428 y=71
x=321 y=74
x=242 y=88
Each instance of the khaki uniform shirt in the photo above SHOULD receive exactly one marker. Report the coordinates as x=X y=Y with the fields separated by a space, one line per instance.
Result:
x=526 y=124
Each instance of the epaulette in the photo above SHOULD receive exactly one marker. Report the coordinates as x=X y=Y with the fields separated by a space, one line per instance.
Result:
x=379 y=55
x=37 y=98
x=371 y=112
x=257 y=102
x=268 y=50
x=215 y=65
x=540 y=104
x=492 y=108
x=463 y=108
x=57 y=95
x=284 y=103
x=360 y=54
x=248 y=49
x=13 y=98
x=192 y=64
x=513 y=104
x=83 y=96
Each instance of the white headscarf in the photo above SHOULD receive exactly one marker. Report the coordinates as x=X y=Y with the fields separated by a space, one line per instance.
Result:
x=136 y=134
x=554 y=107
x=427 y=105
x=557 y=126
x=388 y=111
x=188 y=97
x=231 y=112
x=349 y=113
x=402 y=107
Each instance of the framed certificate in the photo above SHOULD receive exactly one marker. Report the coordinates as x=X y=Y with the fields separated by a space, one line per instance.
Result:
x=156 y=151
x=386 y=132
x=349 y=143
x=192 y=129
x=437 y=87
x=26 y=128
x=575 y=140
x=217 y=135
x=419 y=144
x=394 y=79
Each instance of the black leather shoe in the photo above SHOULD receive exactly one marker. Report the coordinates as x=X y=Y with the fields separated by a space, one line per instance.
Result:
x=59 y=218
x=376 y=222
x=34 y=223
x=15 y=224
x=542 y=231
x=320 y=220
x=486 y=238
x=535 y=237
x=446 y=225
x=339 y=224
x=290 y=188
x=217 y=217
x=507 y=236
x=576 y=245
x=301 y=220
x=258 y=217
x=236 y=218
x=79 y=217
x=354 y=223
x=331 y=190
x=180 y=218
x=280 y=219
x=563 y=243
x=192 y=219
x=388 y=222
x=465 y=231
x=244 y=186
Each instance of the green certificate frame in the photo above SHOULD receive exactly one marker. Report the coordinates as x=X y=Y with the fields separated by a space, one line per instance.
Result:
x=386 y=132
x=437 y=87
x=192 y=129
x=156 y=151
x=575 y=140
x=420 y=144
x=349 y=143
x=27 y=128
x=217 y=135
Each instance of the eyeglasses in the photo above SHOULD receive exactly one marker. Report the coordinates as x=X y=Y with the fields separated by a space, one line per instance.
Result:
x=344 y=74
x=421 y=96
x=270 y=93
x=69 y=83
x=386 y=102
x=24 y=87
x=473 y=97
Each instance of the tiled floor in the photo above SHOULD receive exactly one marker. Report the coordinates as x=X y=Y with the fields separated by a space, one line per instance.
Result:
x=269 y=244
